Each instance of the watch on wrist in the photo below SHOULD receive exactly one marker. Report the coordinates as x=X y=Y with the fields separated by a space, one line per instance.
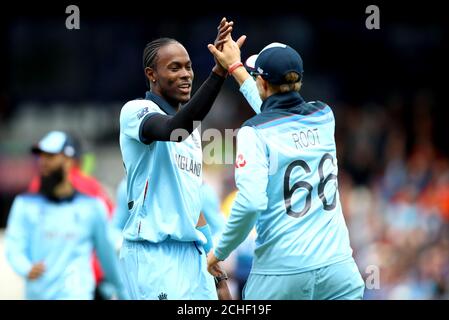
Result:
x=221 y=277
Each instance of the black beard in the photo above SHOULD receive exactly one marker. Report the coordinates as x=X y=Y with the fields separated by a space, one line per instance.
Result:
x=50 y=182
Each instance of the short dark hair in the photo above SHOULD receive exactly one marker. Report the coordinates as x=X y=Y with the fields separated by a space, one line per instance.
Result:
x=150 y=53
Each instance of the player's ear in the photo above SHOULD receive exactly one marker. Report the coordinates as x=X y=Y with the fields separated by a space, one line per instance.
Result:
x=264 y=84
x=150 y=74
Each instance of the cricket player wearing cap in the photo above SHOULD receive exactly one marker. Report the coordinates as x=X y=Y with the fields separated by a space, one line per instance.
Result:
x=88 y=185
x=286 y=174
x=51 y=234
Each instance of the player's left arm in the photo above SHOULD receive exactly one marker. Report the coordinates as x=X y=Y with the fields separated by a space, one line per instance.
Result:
x=251 y=175
x=204 y=228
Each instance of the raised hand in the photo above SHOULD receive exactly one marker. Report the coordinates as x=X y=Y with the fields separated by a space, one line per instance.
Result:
x=230 y=53
x=223 y=35
x=224 y=30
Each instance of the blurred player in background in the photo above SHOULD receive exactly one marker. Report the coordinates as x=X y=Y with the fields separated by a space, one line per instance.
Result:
x=51 y=234
x=88 y=185
x=166 y=239
x=286 y=174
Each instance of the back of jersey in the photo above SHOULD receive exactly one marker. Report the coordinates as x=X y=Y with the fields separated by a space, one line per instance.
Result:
x=303 y=227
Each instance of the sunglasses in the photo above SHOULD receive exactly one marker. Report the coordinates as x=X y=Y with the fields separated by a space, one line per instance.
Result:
x=255 y=74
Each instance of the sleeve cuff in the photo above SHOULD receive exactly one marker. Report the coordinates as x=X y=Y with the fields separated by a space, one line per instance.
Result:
x=220 y=255
x=205 y=230
x=244 y=87
x=142 y=124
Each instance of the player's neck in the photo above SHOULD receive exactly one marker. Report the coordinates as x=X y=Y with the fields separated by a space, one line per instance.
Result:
x=175 y=104
x=269 y=92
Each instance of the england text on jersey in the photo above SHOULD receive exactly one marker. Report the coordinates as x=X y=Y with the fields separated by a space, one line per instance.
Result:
x=188 y=164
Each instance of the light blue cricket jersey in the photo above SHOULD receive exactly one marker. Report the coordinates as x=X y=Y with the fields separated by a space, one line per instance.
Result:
x=286 y=174
x=211 y=210
x=163 y=178
x=63 y=236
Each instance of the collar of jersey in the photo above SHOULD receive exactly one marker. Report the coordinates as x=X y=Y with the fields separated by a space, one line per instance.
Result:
x=164 y=105
x=285 y=100
x=69 y=198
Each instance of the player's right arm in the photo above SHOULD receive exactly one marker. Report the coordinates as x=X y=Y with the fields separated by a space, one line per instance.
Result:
x=249 y=90
x=251 y=177
x=229 y=57
x=17 y=241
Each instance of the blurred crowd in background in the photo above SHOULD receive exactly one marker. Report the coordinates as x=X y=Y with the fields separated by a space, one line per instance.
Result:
x=383 y=86
x=396 y=202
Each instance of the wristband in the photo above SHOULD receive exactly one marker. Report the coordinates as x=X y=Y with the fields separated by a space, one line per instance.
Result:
x=234 y=66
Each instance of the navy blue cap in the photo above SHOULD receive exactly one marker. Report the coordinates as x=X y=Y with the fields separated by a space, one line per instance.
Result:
x=274 y=61
x=56 y=142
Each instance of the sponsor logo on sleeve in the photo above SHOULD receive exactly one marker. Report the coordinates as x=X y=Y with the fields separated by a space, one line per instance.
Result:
x=142 y=112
